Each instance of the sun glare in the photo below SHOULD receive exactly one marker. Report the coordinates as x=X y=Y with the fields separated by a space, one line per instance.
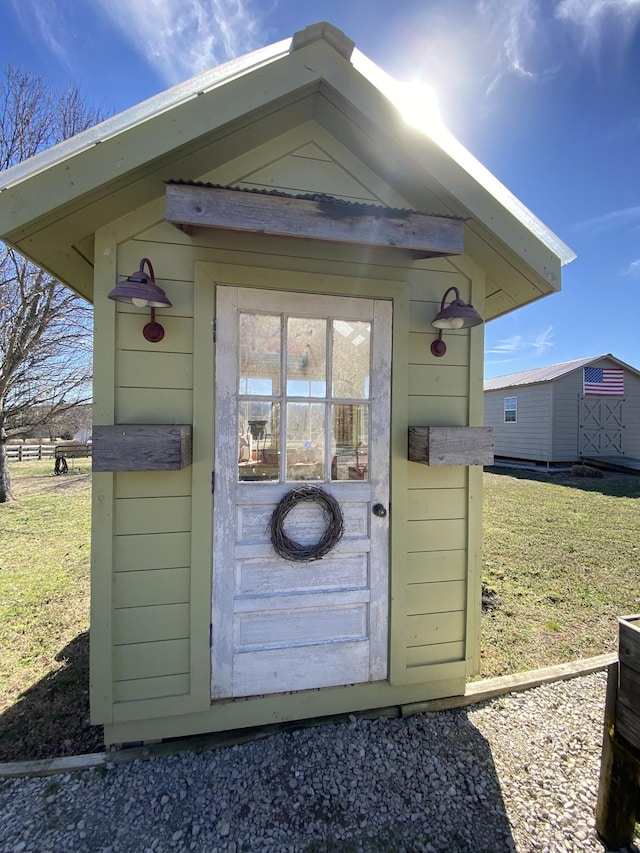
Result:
x=418 y=106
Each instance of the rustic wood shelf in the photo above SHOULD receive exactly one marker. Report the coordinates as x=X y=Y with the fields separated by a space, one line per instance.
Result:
x=191 y=206
x=142 y=447
x=437 y=445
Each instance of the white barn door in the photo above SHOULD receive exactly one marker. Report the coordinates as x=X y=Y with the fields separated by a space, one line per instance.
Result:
x=302 y=398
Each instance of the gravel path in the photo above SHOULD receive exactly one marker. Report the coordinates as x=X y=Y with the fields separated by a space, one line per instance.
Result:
x=516 y=773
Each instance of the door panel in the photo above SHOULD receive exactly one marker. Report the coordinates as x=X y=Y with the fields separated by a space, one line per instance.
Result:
x=601 y=426
x=302 y=395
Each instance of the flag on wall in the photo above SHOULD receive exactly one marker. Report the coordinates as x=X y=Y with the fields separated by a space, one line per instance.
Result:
x=603 y=381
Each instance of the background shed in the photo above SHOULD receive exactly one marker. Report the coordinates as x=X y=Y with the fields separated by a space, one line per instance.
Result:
x=586 y=408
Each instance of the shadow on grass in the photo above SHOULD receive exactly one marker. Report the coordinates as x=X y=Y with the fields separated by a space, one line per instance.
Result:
x=51 y=718
x=613 y=484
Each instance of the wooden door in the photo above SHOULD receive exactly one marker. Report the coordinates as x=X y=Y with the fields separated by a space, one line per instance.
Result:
x=601 y=426
x=302 y=398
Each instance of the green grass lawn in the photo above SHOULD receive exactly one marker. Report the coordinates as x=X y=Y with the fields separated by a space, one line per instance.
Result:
x=560 y=556
x=44 y=613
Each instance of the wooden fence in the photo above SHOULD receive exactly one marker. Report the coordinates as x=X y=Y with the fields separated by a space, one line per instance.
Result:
x=29 y=452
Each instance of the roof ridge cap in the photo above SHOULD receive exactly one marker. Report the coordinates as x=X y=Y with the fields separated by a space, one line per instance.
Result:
x=323 y=31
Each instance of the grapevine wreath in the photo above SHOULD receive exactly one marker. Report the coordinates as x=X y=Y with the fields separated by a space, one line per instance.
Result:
x=290 y=550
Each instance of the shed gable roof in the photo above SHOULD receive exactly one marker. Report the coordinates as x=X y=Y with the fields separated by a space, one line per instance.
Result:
x=548 y=374
x=51 y=205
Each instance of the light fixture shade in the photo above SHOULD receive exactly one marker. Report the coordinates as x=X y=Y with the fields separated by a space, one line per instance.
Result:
x=457 y=315
x=141 y=289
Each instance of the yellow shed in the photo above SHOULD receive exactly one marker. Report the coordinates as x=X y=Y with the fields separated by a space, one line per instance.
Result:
x=287 y=463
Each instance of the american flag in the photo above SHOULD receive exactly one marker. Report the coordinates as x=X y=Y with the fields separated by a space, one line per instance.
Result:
x=604 y=381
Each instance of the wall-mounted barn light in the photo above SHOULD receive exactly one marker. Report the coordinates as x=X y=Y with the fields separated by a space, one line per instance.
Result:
x=141 y=290
x=457 y=315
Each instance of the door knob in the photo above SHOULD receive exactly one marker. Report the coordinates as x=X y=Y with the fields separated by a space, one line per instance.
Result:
x=379 y=510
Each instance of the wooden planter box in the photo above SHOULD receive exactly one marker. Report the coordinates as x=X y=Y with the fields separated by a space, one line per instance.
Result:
x=628 y=703
x=431 y=445
x=141 y=447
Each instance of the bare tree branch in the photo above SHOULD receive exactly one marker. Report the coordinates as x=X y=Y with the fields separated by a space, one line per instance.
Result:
x=45 y=330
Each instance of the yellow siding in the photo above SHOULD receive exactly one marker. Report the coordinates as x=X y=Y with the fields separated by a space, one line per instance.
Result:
x=155 y=586
x=152 y=515
x=309 y=170
x=151 y=688
x=436 y=535
x=434 y=628
x=150 y=624
x=146 y=660
x=149 y=406
x=436 y=503
x=442 y=597
x=159 y=551
x=431 y=566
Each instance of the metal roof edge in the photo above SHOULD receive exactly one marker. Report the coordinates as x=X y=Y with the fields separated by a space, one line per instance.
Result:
x=528 y=377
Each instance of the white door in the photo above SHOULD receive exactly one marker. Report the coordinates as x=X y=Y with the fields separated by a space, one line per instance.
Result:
x=302 y=399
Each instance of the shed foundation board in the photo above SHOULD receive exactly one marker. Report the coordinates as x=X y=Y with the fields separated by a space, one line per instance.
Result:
x=615 y=463
x=230 y=715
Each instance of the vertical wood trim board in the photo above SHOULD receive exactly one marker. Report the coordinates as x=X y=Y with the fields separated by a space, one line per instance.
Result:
x=101 y=659
x=202 y=502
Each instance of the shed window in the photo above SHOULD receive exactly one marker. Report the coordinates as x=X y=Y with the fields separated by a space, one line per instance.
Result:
x=510 y=410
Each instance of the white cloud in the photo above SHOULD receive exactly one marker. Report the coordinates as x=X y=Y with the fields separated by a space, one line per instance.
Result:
x=178 y=38
x=520 y=345
x=593 y=17
x=513 y=344
x=534 y=39
x=183 y=37
x=46 y=20
x=543 y=341
x=633 y=269
x=625 y=217
x=527 y=41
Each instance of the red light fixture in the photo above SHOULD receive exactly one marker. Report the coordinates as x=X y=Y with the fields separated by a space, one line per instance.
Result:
x=457 y=315
x=141 y=290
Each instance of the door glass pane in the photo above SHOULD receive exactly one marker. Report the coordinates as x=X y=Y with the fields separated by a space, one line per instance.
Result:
x=305 y=441
x=259 y=348
x=306 y=357
x=350 y=441
x=351 y=357
x=258 y=440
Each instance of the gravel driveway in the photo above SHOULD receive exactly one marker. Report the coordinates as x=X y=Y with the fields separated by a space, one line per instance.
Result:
x=516 y=773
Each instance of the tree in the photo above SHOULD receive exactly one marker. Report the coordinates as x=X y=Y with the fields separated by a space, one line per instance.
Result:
x=45 y=329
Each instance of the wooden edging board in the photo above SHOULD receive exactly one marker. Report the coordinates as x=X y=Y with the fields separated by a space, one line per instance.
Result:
x=476 y=691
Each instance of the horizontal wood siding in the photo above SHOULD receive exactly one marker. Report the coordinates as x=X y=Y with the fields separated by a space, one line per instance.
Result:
x=437 y=560
x=152 y=510
x=530 y=436
x=151 y=592
x=632 y=414
x=565 y=416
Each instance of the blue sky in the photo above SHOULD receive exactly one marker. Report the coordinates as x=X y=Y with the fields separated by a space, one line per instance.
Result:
x=545 y=93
